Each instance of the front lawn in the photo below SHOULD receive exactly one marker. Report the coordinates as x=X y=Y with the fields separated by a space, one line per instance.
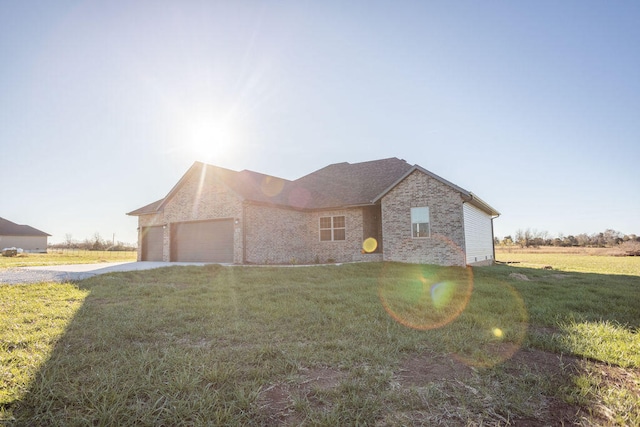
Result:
x=369 y=344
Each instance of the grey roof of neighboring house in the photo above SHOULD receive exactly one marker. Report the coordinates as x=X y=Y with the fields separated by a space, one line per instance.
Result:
x=334 y=186
x=8 y=228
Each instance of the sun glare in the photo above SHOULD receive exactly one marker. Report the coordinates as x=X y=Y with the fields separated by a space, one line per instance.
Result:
x=209 y=139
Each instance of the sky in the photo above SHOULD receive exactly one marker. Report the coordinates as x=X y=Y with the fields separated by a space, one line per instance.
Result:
x=533 y=106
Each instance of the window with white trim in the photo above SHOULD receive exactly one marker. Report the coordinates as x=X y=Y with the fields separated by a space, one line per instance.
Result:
x=420 y=225
x=332 y=228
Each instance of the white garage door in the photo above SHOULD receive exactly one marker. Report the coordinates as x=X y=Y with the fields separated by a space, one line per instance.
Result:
x=202 y=241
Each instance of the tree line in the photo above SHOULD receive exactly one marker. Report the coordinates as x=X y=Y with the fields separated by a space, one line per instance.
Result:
x=93 y=243
x=533 y=238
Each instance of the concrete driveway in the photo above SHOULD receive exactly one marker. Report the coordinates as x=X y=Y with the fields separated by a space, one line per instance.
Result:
x=62 y=273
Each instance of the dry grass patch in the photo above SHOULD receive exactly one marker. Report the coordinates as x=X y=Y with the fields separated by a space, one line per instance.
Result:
x=66 y=257
x=588 y=260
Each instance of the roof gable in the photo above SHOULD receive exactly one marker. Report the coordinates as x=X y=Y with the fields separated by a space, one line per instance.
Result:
x=248 y=185
x=242 y=183
x=426 y=172
x=8 y=228
x=467 y=196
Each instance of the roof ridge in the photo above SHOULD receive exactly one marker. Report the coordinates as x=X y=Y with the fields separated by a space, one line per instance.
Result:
x=22 y=229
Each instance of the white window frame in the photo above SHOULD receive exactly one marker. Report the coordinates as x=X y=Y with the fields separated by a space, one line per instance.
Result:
x=332 y=228
x=415 y=213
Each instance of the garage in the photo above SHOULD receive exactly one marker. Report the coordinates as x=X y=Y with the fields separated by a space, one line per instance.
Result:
x=202 y=241
x=152 y=242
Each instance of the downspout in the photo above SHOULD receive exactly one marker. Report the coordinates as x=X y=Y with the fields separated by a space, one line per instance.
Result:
x=243 y=224
x=493 y=239
x=464 y=232
x=493 y=242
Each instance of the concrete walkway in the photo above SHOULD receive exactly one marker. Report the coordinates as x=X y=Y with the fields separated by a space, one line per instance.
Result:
x=62 y=273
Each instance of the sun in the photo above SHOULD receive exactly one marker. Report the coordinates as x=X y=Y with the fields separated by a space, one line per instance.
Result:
x=208 y=139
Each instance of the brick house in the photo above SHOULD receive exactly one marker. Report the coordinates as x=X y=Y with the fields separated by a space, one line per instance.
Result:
x=372 y=211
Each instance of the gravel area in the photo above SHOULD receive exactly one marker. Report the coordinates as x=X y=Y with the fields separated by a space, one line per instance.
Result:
x=66 y=273
x=23 y=275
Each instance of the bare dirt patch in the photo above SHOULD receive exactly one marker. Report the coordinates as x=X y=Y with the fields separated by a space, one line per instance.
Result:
x=277 y=400
x=520 y=276
x=422 y=369
x=555 y=365
x=560 y=369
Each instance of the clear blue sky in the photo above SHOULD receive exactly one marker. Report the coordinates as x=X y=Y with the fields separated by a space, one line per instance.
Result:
x=534 y=106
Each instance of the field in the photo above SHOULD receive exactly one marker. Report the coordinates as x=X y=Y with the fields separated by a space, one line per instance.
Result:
x=588 y=260
x=58 y=257
x=357 y=344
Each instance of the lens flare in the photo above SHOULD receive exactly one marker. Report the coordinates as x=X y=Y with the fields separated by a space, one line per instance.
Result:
x=428 y=297
x=271 y=186
x=442 y=293
x=369 y=245
x=501 y=324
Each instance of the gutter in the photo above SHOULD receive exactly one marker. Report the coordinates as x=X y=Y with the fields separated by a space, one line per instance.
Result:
x=481 y=204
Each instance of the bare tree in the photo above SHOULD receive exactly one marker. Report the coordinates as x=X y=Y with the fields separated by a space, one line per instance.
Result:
x=612 y=237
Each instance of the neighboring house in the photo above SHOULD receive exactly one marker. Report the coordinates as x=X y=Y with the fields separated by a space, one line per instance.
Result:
x=372 y=211
x=24 y=237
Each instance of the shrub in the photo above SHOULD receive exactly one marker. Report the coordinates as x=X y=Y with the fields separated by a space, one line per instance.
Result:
x=631 y=248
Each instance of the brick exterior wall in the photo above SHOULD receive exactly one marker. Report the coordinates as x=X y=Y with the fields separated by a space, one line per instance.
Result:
x=341 y=250
x=276 y=236
x=283 y=236
x=445 y=246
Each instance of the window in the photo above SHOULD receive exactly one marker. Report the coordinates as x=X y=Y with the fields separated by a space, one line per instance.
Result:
x=332 y=228
x=420 y=222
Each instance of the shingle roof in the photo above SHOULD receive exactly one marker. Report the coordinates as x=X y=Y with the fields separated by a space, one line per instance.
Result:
x=351 y=184
x=148 y=209
x=334 y=186
x=8 y=228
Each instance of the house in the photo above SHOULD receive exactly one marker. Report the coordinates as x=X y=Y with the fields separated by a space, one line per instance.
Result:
x=29 y=239
x=371 y=211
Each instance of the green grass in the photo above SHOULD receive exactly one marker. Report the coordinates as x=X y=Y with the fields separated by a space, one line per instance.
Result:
x=32 y=319
x=358 y=344
x=65 y=257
